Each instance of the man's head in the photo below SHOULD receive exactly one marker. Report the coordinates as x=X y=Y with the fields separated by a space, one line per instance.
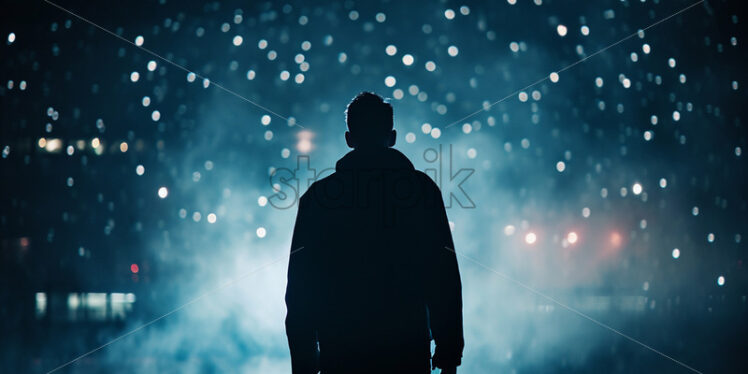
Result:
x=370 y=123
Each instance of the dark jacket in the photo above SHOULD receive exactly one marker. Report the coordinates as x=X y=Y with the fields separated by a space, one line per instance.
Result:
x=372 y=276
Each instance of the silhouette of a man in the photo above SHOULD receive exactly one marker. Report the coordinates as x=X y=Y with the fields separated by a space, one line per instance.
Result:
x=372 y=277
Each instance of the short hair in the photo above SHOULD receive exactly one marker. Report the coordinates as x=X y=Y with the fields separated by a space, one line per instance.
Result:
x=369 y=115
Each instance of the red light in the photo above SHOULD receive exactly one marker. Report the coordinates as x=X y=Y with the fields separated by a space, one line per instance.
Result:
x=616 y=239
x=134 y=268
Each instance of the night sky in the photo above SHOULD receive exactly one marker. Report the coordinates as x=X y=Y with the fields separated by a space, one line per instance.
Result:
x=590 y=154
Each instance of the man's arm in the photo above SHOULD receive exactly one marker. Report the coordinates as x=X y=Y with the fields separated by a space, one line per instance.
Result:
x=300 y=328
x=444 y=294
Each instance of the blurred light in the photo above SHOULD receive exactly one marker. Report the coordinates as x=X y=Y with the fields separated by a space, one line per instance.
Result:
x=710 y=237
x=134 y=76
x=572 y=237
x=156 y=115
x=262 y=201
x=676 y=253
x=139 y=170
x=391 y=50
x=152 y=65
x=436 y=133
x=410 y=137
x=561 y=29
x=663 y=182
x=585 y=30
x=304 y=143
x=123 y=147
x=134 y=268
x=261 y=232
x=449 y=14
x=146 y=101
x=509 y=230
x=408 y=60
x=721 y=281
x=238 y=40
x=531 y=238
x=430 y=66
x=390 y=81
x=453 y=51
x=163 y=192
x=554 y=77
x=636 y=189
x=585 y=212
x=212 y=218
x=616 y=239
x=139 y=40
x=41 y=304
x=73 y=301
x=11 y=38
x=95 y=142
x=380 y=17
x=42 y=142
x=560 y=166
x=265 y=119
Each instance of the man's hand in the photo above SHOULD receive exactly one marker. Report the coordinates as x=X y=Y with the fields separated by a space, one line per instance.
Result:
x=452 y=370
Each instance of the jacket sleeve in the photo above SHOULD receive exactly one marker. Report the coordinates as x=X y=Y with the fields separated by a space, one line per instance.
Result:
x=444 y=289
x=300 y=291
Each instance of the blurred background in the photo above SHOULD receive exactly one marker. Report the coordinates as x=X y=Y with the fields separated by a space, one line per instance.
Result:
x=132 y=187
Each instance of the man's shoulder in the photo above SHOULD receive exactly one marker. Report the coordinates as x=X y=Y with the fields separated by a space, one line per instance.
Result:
x=426 y=180
x=318 y=185
x=334 y=181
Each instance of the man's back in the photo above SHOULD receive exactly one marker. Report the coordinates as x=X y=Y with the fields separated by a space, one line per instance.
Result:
x=375 y=263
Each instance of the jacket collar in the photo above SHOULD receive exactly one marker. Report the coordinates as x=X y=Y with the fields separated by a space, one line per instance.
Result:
x=384 y=158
